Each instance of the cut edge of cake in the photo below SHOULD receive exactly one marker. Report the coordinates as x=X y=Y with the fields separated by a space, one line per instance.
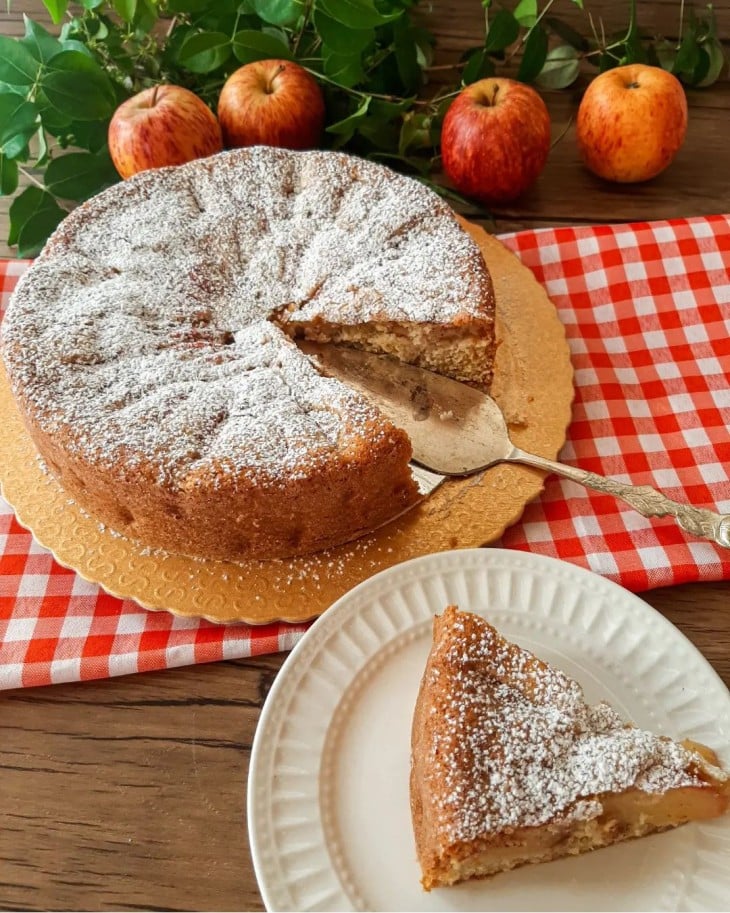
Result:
x=511 y=766
x=464 y=352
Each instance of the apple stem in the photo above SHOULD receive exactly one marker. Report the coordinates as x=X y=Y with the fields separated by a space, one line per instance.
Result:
x=494 y=95
x=153 y=100
x=270 y=84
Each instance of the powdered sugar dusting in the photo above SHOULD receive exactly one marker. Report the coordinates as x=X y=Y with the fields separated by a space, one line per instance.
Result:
x=145 y=327
x=516 y=745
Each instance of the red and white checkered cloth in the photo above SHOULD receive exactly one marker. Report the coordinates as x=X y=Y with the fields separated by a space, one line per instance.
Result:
x=646 y=309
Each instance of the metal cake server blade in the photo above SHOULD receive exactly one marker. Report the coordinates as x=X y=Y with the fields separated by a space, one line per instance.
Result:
x=456 y=430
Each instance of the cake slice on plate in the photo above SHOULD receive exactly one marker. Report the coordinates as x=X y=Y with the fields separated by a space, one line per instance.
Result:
x=511 y=766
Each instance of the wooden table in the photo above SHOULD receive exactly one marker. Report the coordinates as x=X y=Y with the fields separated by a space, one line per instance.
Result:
x=130 y=793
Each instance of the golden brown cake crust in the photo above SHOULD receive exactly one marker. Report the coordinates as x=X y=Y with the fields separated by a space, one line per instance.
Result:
x=509 y=765
x=148 y=353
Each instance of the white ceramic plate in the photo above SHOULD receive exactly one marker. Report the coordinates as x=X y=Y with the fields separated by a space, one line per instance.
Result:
x=328 y=808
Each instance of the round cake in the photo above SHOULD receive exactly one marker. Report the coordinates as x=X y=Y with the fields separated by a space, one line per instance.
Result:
x=151 y=347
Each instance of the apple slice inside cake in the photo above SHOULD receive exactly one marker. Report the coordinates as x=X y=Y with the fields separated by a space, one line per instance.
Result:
x=510 y=765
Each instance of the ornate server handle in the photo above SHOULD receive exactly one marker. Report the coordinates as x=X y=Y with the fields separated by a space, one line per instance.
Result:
x=646 y=500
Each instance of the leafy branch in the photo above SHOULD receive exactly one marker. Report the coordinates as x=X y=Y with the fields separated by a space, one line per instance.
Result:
x=373 y=58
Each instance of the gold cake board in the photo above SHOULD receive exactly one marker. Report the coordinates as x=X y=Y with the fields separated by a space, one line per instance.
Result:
x=533 y=384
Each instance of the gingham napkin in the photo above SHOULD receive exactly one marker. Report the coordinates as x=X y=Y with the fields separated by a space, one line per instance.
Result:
x=646 y=309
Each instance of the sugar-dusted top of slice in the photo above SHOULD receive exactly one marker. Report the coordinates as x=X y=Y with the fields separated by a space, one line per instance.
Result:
x=511 y=741
x=147 y=329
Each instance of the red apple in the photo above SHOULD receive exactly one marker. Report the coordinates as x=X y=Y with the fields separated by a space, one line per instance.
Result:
x=271 y=103
x=164 y=125
x=495 y=139
x=631 y=122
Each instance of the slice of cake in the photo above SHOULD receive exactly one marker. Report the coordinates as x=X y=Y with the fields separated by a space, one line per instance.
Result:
x=510 y=765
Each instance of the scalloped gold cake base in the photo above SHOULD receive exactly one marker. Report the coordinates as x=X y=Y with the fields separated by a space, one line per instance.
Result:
x=533 y=384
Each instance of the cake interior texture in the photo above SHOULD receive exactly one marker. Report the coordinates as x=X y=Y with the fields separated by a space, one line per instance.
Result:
x=511 y=766
x=151 y=347
x=462 y=353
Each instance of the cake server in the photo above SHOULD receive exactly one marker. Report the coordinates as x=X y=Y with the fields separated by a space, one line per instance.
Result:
x=458 y=431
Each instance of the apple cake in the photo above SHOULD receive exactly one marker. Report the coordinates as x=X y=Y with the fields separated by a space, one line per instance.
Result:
x=511 y=766
x=150 y=347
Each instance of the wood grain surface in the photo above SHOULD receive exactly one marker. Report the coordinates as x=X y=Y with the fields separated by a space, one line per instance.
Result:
x=130 y=793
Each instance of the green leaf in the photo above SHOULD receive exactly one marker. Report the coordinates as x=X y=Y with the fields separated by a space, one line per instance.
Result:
x=22 y=208
x=71 y=59
x=16 y=116
x=578 y=3
x=8 y=175
x=18 y=67
x=222 y=16
x=534 y=54
x=339 y=38
x=383 y=135
x=53 y=121
x=91 y=4
x=415 y=133
x=406 y=57
x=76 y=86
x=688 y=56
x=276 y=32
x=526 y=13
x=18 y=123
x=387 y=110
x=358 y=14
x=97 y=29
x=40 y=43
x=249 y=45
x=70 y=44
x=561 y=68
x=717 y=62
x=89 y=134
x=633 y=48
x=125 y=9
x=79 y=175
x=701 y=70
x=381 y=126
x=342 y=68
x=344 y=126
x=345 y=129
x=56 y=8
x=278 y=12
x=17 y=147
x=146 y=16
x=567 y=33
x=424 y=46
x=33 y=216
x=503 y=31
x=42 y=157
x=205 y=52
x=36 y=231
x=479 y=65
x=665 y=53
